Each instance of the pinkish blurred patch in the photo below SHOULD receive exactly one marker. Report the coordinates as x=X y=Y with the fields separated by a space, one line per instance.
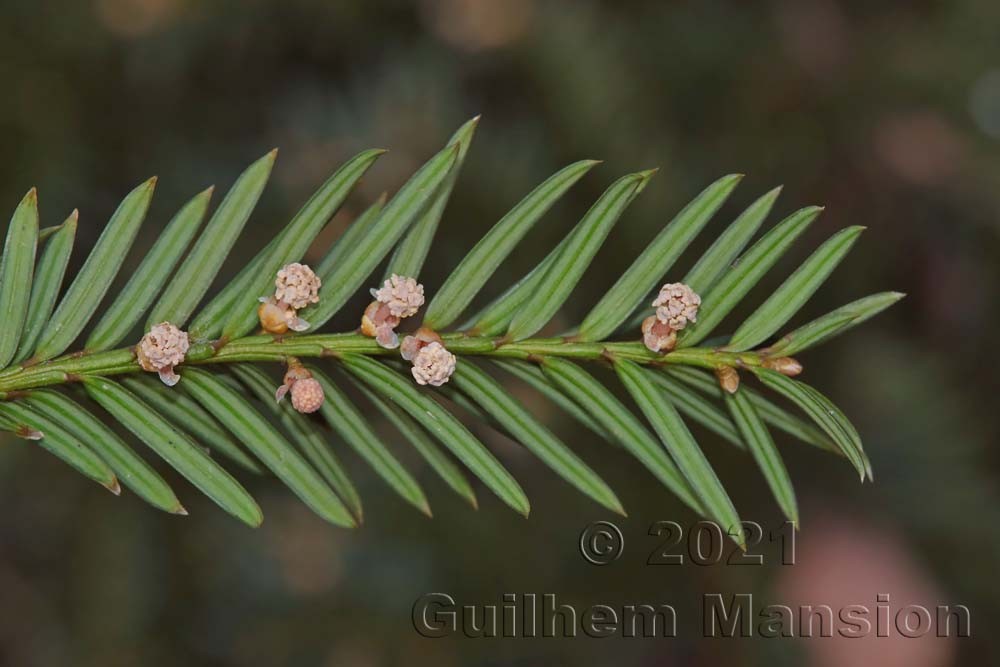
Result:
x=843 y=562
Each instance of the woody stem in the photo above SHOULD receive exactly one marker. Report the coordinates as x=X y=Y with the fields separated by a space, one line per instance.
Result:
x=69 y=367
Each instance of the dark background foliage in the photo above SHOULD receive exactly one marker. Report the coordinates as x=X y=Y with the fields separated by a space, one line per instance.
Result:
x=888 y=113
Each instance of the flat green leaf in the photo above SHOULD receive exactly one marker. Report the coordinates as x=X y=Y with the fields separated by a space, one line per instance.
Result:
x=174 y=447
x=821 y=410
x=410 y=254
x=304 y=433
x=764 y=452
x=92 y=282
x=190 y=417
x=16 y=271
x=773 y=414
x=584 y=242
x=619 y=421
x=422 y=442
x=267 y=444
x=833 y=324
x=368 y=250
x=8 y=425
x=720 y=255
x=291 y=244
x=201 y=265
x=352 y=426
x=698 y=408
x=450 y=393
x=45 y=232
x=462 y=401
x=784 y=420
x=346 y=241
x=647 y=271
x=782 y=305
x=526 y=429
x=45 y=286
x=62 y=443
x=496 y=316
x=452 y=434
x=208 y=323
x=130 y=468
x=681 y=444
x=747 y=271
x=147 y=281
x=482 y=261
x=319 y=453
x=706 y=271
x=533 y=376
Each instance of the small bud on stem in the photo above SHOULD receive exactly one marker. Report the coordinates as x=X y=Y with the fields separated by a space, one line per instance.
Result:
x=658 y=336
x=28 y=433
x=162 y=348
x=398 y=298
x=295 y=287
x=433 y=364
x=307 y=393
x=675 y=305
x=728 y=379
x=784 y=365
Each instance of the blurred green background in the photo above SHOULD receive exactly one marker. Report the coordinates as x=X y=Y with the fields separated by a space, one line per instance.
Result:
x=888 y=113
